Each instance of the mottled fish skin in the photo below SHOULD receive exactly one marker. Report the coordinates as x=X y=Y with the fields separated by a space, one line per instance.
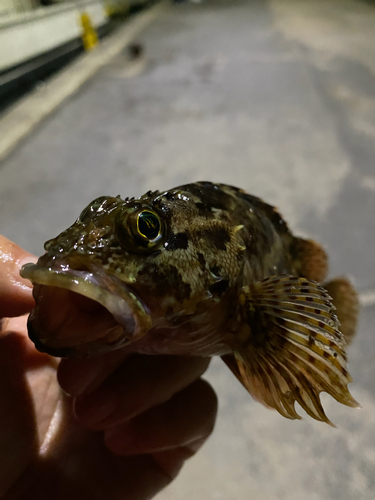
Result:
x=201 y=269
x=217 y=238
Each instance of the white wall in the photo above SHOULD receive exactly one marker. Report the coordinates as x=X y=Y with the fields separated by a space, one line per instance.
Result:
x=10 y=6
x=7 y=6
x=26 y=35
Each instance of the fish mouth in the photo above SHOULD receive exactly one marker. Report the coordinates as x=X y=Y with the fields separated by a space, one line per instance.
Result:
x=82 y=312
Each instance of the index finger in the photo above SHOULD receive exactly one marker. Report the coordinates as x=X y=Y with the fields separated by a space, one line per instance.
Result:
x=15 y=292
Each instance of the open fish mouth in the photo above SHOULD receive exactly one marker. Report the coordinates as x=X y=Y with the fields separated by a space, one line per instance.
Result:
x=82 y=313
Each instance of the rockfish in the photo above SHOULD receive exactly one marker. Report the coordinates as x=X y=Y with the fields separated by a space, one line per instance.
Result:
x=202 y=269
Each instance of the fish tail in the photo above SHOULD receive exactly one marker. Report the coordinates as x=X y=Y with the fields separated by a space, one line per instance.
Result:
x=345 y=299
x=310 y=259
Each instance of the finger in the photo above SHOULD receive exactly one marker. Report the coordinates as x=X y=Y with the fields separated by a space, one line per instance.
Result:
x=141 y=383
x=18 y=438
x=81 y=376
x=95 y=475
x=16 y=324
x=96 y=472
x=171 y=461
x=75 y=464
x=189 y=416
x=31 y=358
x=15 y=292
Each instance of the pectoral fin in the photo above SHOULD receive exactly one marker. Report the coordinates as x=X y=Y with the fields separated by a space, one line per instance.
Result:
x=290 y=347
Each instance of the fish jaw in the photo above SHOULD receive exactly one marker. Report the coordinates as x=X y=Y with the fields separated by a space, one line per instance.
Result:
x=82 y=313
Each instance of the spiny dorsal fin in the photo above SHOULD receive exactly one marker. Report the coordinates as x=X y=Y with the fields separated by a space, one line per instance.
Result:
x=291 y=348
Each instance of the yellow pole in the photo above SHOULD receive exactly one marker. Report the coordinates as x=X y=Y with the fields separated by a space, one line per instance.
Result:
x=89 y=34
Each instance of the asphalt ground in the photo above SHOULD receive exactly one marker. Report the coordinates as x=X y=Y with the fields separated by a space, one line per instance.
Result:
x=277 y=97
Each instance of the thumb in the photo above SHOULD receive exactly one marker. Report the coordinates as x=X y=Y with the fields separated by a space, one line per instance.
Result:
x=15 y=292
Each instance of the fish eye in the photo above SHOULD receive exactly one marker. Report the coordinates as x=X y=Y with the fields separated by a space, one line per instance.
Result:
x=139 y=230
x=92 y=208
x=148 y=225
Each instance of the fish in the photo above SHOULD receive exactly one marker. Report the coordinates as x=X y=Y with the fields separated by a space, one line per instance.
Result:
x=203 y=269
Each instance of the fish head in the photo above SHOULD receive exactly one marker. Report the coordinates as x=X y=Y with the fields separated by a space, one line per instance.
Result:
x=126 y=266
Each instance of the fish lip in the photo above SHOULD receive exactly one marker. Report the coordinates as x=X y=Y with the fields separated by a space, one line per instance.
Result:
x=105 y=289
x=58 y=352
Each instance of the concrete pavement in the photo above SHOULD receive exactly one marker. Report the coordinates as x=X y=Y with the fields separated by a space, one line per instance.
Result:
x=276 y=97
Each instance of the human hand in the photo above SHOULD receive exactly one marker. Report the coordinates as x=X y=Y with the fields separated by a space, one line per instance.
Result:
x=121 y=430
